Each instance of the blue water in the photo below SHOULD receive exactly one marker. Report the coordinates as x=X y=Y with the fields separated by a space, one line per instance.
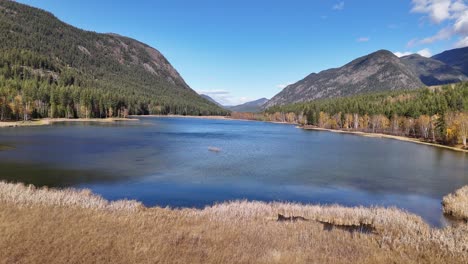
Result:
x=166 y=162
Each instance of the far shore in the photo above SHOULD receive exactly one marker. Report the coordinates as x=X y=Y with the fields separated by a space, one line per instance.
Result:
x=186 y=116
x=49 y=121
x=380 y=135
x=213 y=118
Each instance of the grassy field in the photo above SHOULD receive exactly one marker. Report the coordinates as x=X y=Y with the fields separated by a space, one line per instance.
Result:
x=69 y=226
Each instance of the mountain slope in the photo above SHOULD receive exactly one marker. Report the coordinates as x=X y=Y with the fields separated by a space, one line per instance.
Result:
x=431 y=71
x=253 y=106
x=379 y=71
x=457 y=58
x=101 y=62
x=211 y=100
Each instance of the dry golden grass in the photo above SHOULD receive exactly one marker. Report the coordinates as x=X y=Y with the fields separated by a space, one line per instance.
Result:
x=27 y=196
x=68 y=226
x=23 y=123
x=456 y=204
x=49 y=121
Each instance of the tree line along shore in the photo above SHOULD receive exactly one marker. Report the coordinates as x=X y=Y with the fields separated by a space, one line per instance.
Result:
x=436 y=115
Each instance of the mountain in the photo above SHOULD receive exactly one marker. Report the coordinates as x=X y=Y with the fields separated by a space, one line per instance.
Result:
x=431 y=71
x=211 y=100
x=378 y=71
x=112 y=69
x=457 y=58
x=253 y=106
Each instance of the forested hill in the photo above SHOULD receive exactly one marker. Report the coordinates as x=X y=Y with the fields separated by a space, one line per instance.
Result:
x=378 y=71
x=457 y=58
x=49 y=68
x=435 y=114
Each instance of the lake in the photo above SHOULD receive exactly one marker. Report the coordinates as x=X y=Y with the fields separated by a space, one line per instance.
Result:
x=167 y=162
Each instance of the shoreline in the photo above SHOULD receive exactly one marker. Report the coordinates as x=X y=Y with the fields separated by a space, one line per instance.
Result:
x=213 y=118
x=182 y=116
x=50 y=121
x=380 y=135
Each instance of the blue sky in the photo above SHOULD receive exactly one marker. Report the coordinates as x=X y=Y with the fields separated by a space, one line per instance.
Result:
x=242 y=50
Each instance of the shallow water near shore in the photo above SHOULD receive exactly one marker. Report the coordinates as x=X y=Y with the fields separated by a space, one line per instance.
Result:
x=168 y=162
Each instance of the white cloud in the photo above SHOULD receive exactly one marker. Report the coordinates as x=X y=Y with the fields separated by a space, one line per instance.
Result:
x=339 y=6
x=443 y=34
x=438 y=10
x=363 y=39
x=424 y=52
x=462 y=42
x=461 y=24
x=453 y=12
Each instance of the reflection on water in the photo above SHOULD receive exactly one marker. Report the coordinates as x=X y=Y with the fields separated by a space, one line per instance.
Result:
x=166 y=161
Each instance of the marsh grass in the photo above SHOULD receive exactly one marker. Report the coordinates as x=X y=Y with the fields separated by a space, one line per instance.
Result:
x=39 y=225
x=456 y=204
x=23 y=195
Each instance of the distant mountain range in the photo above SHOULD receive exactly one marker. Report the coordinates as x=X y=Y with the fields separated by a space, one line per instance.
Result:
x=252 y=106
x=211 y=100
x=457 y=58
x=378 y=71
x=431 y=71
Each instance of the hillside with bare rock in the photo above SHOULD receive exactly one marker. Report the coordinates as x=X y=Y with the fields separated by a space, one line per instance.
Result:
x=378 y=71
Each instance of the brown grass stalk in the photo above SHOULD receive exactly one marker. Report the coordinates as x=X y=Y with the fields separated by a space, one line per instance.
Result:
x=456 y=204
x=71 y=226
